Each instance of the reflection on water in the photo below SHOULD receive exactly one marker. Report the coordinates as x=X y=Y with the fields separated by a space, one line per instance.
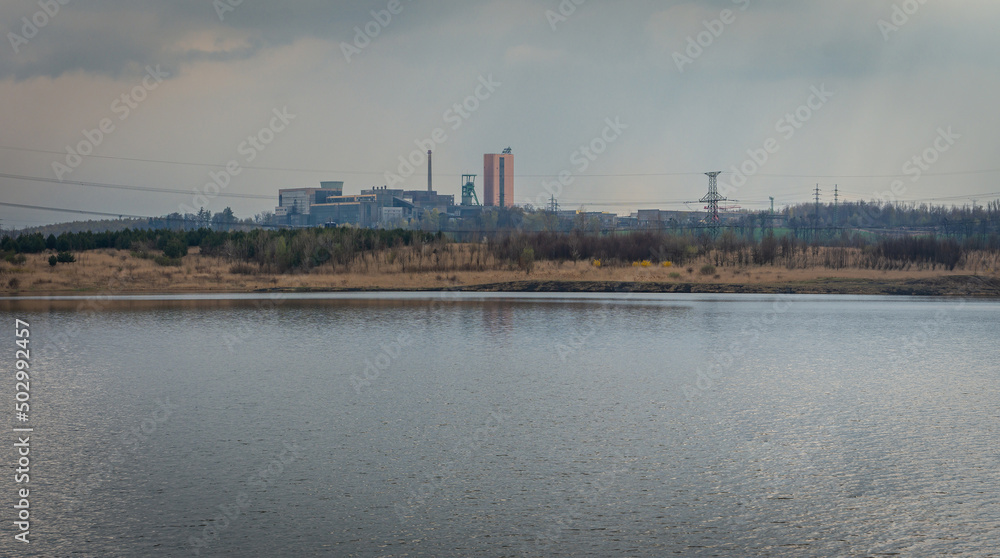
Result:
x=498 y=320
x=527 y=425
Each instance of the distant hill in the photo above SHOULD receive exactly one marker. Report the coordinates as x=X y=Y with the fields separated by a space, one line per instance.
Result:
x=223 y=220
x=102 y=225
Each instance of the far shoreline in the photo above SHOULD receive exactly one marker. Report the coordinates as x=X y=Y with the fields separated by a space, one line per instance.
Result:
x=950 y=286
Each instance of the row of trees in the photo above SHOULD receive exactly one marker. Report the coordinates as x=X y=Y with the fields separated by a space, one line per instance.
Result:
x=280 y=251
x=126 y=239
x=730 y=249
x=222 y=220
x=964 y=221
x=287 y=250
x=211 y=241
x=803 y=220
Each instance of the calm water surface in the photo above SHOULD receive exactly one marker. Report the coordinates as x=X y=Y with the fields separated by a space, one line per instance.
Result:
x=565 y=425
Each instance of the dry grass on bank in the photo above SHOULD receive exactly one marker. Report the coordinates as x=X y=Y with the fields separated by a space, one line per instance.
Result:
x=114 y=271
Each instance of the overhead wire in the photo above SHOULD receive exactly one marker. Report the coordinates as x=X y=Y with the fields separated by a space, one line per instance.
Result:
x=78 y=211
x=575 y=175
x=135 y=188
x=107 y=214
x=608 y=203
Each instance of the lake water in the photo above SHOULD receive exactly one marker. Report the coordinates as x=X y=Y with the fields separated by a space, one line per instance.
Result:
x=524 y=425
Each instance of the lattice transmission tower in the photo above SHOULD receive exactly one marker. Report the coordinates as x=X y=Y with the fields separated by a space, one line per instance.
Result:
x=712 y=199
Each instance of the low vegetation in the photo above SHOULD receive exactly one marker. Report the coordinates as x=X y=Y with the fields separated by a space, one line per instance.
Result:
x=206 y=259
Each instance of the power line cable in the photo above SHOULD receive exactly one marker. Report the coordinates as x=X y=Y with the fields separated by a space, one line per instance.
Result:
x=181 y=163
x=955 y=173
x=79 y=211
x=675 y=202
x=313 y=171
x=382 y=173
x=136 y=188
x=118 y=215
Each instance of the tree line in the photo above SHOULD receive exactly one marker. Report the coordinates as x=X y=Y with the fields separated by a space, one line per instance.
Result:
x=290 y=250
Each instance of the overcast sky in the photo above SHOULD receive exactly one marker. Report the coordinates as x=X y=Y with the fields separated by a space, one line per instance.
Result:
x=657 y=92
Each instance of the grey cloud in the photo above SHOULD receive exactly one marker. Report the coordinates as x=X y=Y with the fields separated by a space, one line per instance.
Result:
x=112 y=37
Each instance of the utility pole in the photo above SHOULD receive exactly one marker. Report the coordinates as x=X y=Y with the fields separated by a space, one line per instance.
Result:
x=836 y=205
x=770 y=218
x=816 y=224
x=553 y=204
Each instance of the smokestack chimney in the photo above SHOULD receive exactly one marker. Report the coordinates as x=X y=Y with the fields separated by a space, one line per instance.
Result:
x=430 y=184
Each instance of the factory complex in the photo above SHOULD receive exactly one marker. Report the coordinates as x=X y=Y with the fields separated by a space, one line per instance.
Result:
x=384 y=207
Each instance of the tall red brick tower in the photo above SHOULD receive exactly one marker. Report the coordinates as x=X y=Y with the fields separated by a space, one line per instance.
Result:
x=498 y=186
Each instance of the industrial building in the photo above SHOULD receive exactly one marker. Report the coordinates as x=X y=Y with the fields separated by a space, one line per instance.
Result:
x=659 y=219
x=388 y=208
x=376 y=207
x=498 y=179
x=382 y=207
x=295 y=205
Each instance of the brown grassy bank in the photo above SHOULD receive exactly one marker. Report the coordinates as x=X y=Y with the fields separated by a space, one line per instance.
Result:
x=110 y=271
